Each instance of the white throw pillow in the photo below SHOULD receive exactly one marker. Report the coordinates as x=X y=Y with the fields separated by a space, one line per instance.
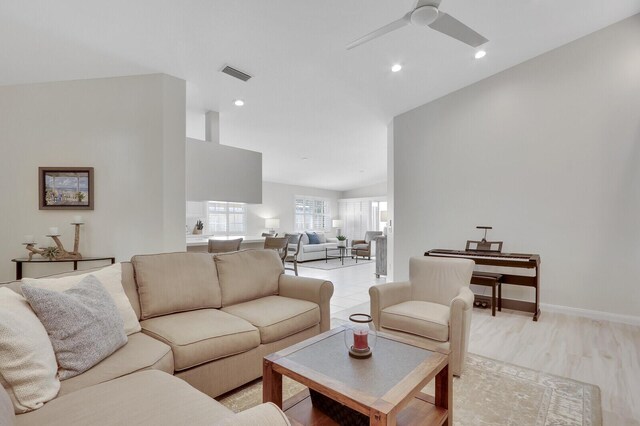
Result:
x=322 y=237
x=111 y=279
x=28 y=367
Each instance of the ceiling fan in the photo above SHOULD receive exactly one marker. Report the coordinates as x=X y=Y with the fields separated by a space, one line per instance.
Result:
x=426 y=13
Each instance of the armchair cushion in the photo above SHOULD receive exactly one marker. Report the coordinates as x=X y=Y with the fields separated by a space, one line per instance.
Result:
x=361 y=246
x=426 y=319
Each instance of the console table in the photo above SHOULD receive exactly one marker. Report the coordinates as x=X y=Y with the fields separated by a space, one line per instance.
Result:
x=20 y=261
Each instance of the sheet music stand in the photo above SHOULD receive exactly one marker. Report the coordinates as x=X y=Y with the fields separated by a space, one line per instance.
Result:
x=484 y=245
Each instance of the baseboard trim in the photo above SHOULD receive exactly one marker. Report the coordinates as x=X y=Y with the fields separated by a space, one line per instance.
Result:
x=587 y=313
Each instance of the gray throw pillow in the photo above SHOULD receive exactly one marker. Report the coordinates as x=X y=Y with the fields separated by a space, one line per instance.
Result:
x=83 y=323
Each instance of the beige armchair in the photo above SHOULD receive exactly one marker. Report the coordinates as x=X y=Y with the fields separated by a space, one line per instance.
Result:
x=434 y=305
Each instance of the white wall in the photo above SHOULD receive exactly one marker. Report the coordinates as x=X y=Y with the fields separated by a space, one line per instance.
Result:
x=548 y=152
x=217 y=172
x=375 y=190
x=278 y=202
x=130 y=129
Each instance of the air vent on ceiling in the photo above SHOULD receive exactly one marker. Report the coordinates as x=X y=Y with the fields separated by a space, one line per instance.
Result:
x=236 y=73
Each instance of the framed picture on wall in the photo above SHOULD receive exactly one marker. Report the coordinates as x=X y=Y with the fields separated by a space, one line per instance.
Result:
x=65 y=188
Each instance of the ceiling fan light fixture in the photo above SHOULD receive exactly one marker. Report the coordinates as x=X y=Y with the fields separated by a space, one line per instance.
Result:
x=396 y=68
x=424 y=15
x=480 y=54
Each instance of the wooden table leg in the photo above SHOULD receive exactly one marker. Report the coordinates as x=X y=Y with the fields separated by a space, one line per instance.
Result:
x=444 y=392
x=271 y=384
x=18 y=270
x=493 y=299
x=500 y=296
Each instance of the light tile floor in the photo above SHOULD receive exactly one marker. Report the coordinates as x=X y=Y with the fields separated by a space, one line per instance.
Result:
x=600 y=352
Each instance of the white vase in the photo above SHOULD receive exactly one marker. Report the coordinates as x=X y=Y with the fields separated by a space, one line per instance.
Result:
x=342 y=243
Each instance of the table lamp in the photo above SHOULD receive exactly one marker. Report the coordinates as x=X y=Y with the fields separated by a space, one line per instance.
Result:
x=272 y=224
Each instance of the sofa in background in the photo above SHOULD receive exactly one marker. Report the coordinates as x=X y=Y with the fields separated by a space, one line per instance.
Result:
x=208 y=320
x=315 y=251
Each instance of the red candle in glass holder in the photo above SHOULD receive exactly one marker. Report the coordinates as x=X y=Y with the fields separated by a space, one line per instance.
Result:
x=360 y=339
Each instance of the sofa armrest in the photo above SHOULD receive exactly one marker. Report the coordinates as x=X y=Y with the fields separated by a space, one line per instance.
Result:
x=7 y=413
x=384 y=295
x=309 y=289
x=263 y=414
x=459 y=328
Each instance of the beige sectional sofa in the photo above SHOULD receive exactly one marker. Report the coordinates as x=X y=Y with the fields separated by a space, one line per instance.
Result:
x=208 y=320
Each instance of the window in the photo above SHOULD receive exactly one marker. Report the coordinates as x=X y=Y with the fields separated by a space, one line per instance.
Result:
x=312 y=213
x=229 y=219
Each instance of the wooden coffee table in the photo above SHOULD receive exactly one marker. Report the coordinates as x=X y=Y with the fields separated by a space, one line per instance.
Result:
x=386 y=388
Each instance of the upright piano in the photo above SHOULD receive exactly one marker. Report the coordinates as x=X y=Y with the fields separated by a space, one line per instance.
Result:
x=515 y=268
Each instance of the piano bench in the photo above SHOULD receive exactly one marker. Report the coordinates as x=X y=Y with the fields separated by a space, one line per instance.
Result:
x=489 y=279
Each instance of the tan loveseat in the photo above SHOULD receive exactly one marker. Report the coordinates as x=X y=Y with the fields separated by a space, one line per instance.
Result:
x=208 y=320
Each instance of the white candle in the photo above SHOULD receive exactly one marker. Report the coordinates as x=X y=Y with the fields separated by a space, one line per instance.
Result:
x=53 y=230
x=28 y=239
x=77 y=219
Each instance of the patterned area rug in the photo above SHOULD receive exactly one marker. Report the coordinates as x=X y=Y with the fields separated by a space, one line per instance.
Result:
x=334 y=263
x=489 y=392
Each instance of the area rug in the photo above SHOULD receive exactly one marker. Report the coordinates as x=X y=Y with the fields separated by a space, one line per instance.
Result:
x=334 y=263
x=489 y=392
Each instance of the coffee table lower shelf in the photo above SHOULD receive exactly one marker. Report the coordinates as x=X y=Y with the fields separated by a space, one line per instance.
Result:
x=300 y=411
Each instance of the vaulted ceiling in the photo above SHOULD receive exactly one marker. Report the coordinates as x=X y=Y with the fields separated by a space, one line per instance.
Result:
x=309 y=97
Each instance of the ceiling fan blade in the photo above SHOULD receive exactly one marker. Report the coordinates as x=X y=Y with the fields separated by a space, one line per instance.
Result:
x=447 y=24
x=405 y=20
x=421 y=3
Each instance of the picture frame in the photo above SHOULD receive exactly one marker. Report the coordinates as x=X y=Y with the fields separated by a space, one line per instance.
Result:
x=65 y=188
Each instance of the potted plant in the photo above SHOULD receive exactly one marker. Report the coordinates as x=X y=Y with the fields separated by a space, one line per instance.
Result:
x=197 y=230
x=342 y=241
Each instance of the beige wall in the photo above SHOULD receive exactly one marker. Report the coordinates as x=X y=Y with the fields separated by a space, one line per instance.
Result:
x=130 y=129
x=548 y=152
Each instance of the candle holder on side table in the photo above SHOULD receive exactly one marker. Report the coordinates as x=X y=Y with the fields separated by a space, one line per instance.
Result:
x=360 y=336
x=58 y=252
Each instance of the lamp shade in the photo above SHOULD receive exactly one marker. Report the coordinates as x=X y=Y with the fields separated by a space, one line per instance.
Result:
x=384 y=216
x=272 y=223
x=336 y=223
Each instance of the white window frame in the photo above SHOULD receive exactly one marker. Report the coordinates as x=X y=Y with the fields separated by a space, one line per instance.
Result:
x=310 y=218
x=226 y=210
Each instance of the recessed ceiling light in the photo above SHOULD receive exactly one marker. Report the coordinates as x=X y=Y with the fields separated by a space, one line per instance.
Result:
x=238 y=102
x=396 y=68
x=304 y=158
x=480 y=54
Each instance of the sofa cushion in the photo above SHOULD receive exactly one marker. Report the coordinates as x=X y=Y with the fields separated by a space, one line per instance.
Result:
x=144 y=398
x=248 y=275
x=140 y=353
x=311 y=248
x=277 y=317
x=176 y=282
x=83 y=324
x=111 y=278
x=426 y=319
x=201 y=336
x=27 y=362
